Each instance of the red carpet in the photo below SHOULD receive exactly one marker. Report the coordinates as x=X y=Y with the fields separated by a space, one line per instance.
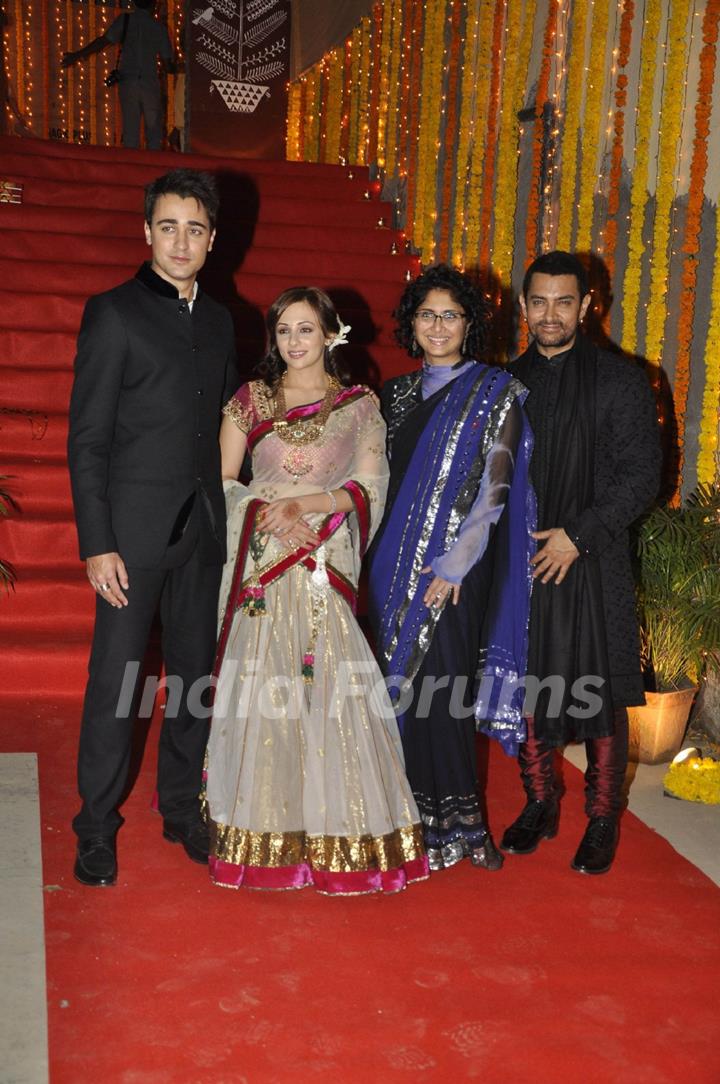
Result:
x=531 y=974
x=79 y=231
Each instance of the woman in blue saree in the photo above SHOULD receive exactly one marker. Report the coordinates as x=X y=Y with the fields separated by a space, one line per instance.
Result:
x=450 y=577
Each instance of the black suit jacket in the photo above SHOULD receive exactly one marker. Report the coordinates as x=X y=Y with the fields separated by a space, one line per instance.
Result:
x=151 y=378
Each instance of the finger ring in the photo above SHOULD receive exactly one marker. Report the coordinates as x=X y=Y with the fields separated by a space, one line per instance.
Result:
x=104 y=586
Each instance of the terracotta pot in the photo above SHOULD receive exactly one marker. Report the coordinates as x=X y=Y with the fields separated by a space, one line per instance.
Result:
x=658 y=728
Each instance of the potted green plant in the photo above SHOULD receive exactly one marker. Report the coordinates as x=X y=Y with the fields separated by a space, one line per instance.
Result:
x=8 y=575
x=679 y=595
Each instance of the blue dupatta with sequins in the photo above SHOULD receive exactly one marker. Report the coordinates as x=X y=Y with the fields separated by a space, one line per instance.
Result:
x=450 y=436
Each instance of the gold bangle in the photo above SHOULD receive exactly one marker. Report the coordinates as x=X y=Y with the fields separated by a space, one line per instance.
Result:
x=333 y=501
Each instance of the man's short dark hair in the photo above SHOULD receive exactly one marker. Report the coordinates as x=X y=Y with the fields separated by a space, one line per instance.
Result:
x=188 y=184
x=144 y=4
x=557 y=263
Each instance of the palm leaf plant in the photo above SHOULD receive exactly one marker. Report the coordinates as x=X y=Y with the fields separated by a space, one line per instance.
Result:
x=679 y=588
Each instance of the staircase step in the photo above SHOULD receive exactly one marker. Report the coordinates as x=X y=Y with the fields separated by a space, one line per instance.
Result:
x=161 y=161
x=36 y=389
x=110 y=227
x=276 y=207
x=87 y=276
x=50 y=665
x=31 y=542
x=39 y=487
x=237 y=185
x=37 y=349
x=365 y=302
x=49 y=602
x=31 y=435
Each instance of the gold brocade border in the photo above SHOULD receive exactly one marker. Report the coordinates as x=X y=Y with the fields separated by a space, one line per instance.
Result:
x=334 y=854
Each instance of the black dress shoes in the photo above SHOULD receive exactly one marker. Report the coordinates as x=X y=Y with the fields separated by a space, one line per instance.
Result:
x=538 y=820
x=96 y=862
x=597 y=847
x=193 y=836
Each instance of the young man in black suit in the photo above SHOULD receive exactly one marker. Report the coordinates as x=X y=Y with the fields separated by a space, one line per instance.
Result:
x=155 y=363
x=595 y=469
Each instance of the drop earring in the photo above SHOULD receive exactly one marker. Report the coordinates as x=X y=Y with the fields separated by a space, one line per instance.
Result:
x=464 y=343
x=414 y=347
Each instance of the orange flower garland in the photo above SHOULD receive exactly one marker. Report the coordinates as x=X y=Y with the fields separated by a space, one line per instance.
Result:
x=479 y=103
x=395 y=47
x=616 y=161
x=374 y=103
x=486 y=199
x=414 y=110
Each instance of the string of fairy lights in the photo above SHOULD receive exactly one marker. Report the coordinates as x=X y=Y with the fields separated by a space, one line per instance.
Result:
x=74 y=104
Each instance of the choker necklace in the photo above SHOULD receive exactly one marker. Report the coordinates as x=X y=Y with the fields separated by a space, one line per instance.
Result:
x=301 y=432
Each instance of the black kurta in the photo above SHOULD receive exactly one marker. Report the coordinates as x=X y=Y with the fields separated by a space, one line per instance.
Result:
x=626 y=460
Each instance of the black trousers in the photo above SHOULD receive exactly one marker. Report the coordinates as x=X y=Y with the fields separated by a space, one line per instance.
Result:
x=187 y=597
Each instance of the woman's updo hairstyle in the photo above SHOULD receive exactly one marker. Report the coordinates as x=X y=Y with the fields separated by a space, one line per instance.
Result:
x=272 y=366
x=466 y=295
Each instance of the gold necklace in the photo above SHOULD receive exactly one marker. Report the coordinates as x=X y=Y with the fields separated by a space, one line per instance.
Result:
x=302 y=432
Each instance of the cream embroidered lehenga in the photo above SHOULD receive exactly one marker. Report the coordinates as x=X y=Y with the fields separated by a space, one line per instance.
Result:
x=305 y=774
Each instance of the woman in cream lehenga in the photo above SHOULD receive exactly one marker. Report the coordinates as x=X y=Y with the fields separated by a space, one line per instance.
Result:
x=305 y=773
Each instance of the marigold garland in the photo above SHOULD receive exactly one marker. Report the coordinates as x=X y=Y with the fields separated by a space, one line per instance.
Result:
x=416 y=58
x=571 y=129
x=696 y=779
x=518 y=44
x=707 y=462
x=669 y=138
x=292 y=142
x=333 y=116
x=395 y=50
x=354 y=105
x=469 y=66
x=471 y=181
x=451 y=128
x=430 y=110
x=490 y=156
x=618 y=144
x=593 y=124
x=693 y=219
x=639 y=190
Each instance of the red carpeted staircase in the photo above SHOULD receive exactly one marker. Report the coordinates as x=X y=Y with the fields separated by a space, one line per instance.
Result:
x=78 y=231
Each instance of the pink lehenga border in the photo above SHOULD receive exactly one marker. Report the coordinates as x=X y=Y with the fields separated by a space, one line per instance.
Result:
x=283 y=878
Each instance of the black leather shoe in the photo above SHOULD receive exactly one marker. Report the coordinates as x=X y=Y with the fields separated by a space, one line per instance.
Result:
x=538 y=820
x=597 y=847
x=193 y=836
x=488 y=856
x=96 y=862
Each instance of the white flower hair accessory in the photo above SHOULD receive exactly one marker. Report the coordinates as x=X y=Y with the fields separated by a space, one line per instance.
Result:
x=341 y=337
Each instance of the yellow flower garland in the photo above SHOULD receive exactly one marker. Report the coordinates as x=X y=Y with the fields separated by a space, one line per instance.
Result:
x=708 y=440
x=292 y=141
x=571 y=126
x=518 y=43
x=639 y=194
x=364 y=90
x=671 y=114
x=430 y=94
x=354 y=95
x=333 y=116
x=473 y=184
x=696 y=779
x=592 y=124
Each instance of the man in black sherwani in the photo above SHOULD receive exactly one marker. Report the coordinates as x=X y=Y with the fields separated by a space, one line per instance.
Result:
x=595 y=469
x=155 y=363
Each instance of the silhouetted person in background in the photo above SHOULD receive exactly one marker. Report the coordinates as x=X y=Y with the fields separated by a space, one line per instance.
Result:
x=142 y=39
